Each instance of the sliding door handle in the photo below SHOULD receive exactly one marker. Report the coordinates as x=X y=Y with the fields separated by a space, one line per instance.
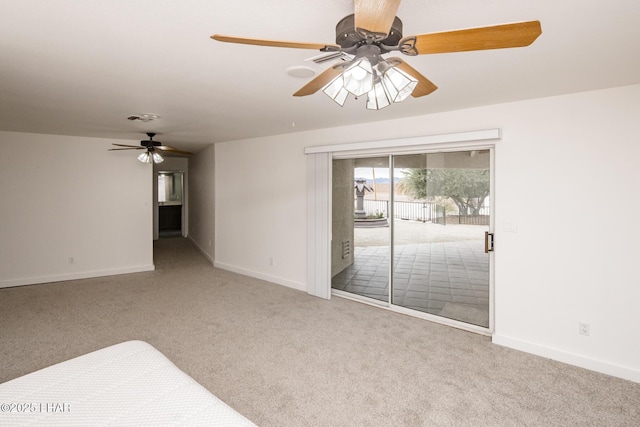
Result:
x=488 y=242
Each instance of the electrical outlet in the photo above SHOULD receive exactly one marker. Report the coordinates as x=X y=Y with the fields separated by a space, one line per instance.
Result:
x=270 y=260
x=584 y=328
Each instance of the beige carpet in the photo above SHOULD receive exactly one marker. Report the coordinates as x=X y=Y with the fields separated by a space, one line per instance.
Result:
x=464 y=313
x=283 y=358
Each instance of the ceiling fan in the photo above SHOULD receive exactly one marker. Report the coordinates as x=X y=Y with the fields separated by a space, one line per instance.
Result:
x=150 y=155
x=374 y=30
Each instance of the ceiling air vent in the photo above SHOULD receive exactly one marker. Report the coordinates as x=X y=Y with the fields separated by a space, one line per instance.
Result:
x=143 y=117
x=329 y=59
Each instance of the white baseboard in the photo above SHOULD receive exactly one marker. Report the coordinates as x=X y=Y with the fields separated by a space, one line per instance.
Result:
x=269 y=278
x=202 y=251
x=74 y=276
x=245 y=272
x=569 y=358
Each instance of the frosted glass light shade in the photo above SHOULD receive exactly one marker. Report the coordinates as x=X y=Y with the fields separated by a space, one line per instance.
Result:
x=358 y=78
x=378 y=98
x=336 y=91
x=157 y=158
x=399 y=84
x=148 y=157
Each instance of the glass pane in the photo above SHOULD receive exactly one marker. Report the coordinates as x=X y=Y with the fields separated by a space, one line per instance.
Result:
x=441 y=212
x=360 y=242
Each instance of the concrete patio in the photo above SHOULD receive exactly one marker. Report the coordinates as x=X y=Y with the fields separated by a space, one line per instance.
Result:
x=441 y=270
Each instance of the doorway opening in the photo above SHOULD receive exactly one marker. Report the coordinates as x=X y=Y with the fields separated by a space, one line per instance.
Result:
x=170 y=204
x=410 y=231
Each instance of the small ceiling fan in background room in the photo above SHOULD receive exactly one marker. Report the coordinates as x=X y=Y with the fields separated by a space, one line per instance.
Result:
x=374 y=30
x=151 y=148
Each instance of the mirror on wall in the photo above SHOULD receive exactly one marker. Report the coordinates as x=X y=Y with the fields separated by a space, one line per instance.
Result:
x=170 y=188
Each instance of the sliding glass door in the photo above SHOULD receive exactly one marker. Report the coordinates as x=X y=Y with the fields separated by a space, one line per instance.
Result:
x=430 y=214
x=442 y=207
x=360 y=228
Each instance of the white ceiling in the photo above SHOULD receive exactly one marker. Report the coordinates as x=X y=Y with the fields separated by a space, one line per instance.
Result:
x=80 y=67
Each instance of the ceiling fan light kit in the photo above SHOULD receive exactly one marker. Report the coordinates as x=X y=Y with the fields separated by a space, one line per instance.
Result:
x=383 y=84
x=151 y=147
x=374 y=30
x=150 y=157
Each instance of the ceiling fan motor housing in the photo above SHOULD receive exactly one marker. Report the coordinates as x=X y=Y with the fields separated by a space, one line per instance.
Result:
x=348 y=36
x=150 y=143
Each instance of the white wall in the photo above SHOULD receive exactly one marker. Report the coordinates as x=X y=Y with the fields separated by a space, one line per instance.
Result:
x=68 y=197
x=261 y=214
x=566 y=178
x=201 y=196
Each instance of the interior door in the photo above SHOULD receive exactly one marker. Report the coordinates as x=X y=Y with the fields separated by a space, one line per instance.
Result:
x=441 y=217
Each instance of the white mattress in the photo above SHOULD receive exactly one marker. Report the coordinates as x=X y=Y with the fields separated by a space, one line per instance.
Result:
x=128 y=384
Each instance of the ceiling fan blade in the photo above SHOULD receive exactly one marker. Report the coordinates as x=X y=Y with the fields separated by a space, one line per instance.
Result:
x=375 y=16
x=125 y=145
x=274 y=43
x=518 y=34
x=425 y=86
x=320 y=81
x=132 y=148
x=169 y=149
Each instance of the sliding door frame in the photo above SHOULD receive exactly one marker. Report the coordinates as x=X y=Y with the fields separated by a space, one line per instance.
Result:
x=320 y=284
